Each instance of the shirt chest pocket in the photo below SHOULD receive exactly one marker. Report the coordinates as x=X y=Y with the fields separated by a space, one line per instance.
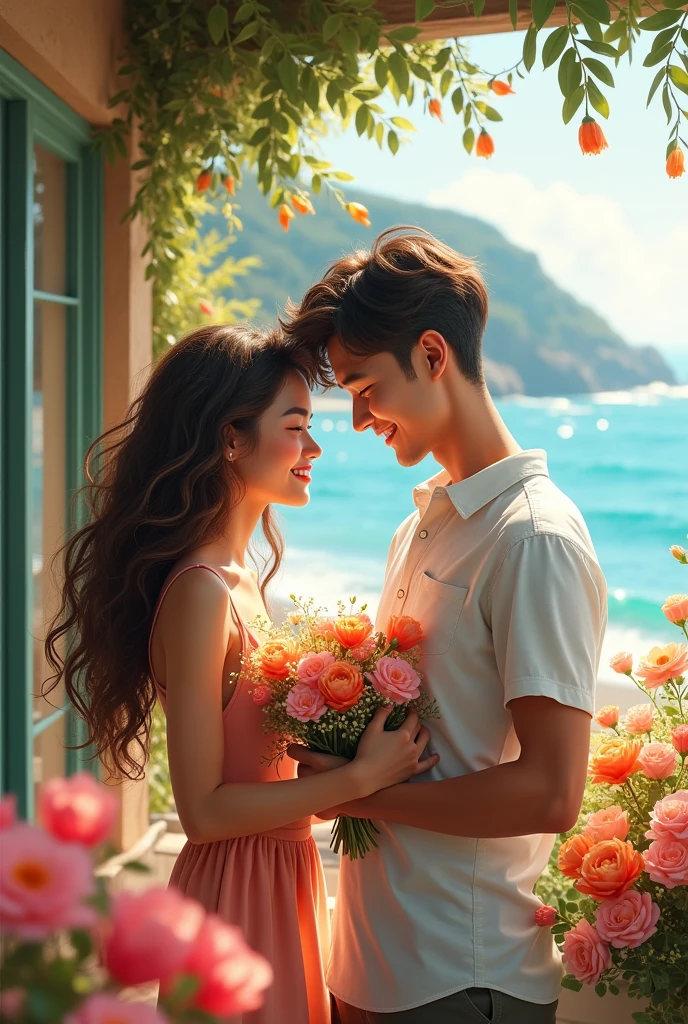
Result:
x=438 y=610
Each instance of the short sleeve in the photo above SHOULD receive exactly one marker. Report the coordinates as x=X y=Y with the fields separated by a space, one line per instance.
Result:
x=548 y=616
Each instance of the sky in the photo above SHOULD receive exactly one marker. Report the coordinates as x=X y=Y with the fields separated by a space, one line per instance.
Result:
x=611 y=229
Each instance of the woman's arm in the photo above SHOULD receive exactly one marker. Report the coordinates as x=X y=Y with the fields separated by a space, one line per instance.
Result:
x=196 y=630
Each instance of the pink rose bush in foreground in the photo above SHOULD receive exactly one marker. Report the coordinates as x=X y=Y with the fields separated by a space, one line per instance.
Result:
x=57 y=923
x=618 y=882
x=320 y=679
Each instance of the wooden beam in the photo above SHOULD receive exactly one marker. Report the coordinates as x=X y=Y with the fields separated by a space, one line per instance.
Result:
x=460 y=21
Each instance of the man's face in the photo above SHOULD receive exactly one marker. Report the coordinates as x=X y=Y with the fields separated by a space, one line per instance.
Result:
x=404 y=413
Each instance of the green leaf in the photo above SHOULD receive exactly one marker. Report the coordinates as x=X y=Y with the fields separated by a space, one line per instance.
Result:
x=597 y=99
x=569 y=72
x=399 y=69
x=420 y=71
x=662 y=19
x=457 y=100
x=467 y=114
x=599 y=70
x=662 y=38
x=82 y=943
x=490 y=113
x=247 y=32
x=263 y=110
x=592 y=27
x=446 y=81
x=658 y=56
x=136 y=865
x=332 y=26
x=554 y=46
x=342 y=176
x=678 y=77
x=655 y=85
x=666 y=100
x=349 y=41
x=604 y=48
x=530 y=48
x=513 y=12
x=403 y=35
x=403 y=123
x=361 y=120
x=541 y=11
x=597 y=9
x=288 y=75
x=381 y=71
x=424 y=8
x=260 y=135
x=468 y=140
x=244 y=12
x=572 y=103
x=218 y=22
x=569 y=982
x=600 y=989
x=316 y=183
x=311 y=88
x=478 y=6
x=393 y=141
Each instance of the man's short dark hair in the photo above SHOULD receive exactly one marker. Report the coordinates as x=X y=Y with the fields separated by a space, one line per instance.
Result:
x=384 y=299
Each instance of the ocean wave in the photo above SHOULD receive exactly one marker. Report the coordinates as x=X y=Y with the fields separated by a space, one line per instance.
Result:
x=649 y=394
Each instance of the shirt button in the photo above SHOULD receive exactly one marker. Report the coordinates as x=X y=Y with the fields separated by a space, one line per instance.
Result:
x=423 y=534
x=400 y=593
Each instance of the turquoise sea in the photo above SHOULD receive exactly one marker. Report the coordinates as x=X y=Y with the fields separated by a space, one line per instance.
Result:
x=621 y=456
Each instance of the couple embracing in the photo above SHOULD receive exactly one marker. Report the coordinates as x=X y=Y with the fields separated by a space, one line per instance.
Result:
x=436 y=926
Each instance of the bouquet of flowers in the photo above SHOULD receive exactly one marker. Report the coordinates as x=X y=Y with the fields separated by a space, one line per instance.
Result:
x=320 y=681
x=67 y=951
x=620 y=879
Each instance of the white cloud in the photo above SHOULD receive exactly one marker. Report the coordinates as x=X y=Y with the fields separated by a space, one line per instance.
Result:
x=586 y=245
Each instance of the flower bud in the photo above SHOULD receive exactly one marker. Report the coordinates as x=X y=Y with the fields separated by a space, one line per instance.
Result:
x=545 y=916
x=679 y=553
x=622 y=662
x=607 y=716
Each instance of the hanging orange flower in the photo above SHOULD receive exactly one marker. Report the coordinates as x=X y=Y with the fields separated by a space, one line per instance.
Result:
x=485 y=145
x=302 y=205
x=206 y=308
x=285 y=215
x=435 y=109
x=203 y=181
x=591 y=137
x=675 y=165
x=229 y=184
x=501 y=88
x=359 y=213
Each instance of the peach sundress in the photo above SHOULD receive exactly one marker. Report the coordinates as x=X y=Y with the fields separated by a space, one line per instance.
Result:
x=271 y=884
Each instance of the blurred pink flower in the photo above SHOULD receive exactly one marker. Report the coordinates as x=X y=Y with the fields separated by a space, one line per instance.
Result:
x=305 y=704
x=676 y=608
x=679 y=738
x=312 y=666
x=8 y=811
x=607 y=716
x=609 y=823
x=77 y=809
x=324 y=628
x=545 y=916
x=663 y=663
x=103 y=1008
x=622 y=662
x=627 y=920
x=586 y=954
x=395 y=679
x=364 y=650
x=638 y=719
x=666 y=862
x=262 y=694
x=12 y=1003
x=43 y=883
x=658 y=760
x=232 y=977
x=669 y=817
x=150 y=935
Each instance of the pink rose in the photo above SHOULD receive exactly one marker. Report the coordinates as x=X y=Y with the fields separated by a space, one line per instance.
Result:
x=586 y=954
x=676 y=608
x=627 y=920
x=8 y=811
x=364 y=650
x=324 y=628
x=262 y=694
x=666 y=862
x=305 y=704
x=622 y=662
x=232 y=977
x=679 y=738
x=312 y=667
x=103 y=1008
x=395 y=679
x=607 y=716
x=78 y=809
x=150 y=935
x=545 y=916
x=669 y=817
x=658 y=760
x=638 y=719
x=662 y=664
x=43 y=883
x=609 y=823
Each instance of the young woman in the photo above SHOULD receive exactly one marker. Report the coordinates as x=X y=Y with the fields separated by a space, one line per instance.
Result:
x=157 y=593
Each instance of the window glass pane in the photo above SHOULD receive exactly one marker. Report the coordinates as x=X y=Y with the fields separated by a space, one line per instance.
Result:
x=49 y=222
x=49 y=499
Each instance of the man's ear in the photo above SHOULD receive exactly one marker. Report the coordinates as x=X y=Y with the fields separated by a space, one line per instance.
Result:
x=435 y=353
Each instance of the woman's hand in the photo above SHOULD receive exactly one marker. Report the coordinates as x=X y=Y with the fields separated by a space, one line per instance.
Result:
x=387 y=758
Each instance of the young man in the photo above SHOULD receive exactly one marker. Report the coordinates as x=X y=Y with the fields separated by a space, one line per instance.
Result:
x=437 y=925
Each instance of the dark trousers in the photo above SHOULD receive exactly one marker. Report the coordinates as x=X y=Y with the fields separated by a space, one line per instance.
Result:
x=471 y=1006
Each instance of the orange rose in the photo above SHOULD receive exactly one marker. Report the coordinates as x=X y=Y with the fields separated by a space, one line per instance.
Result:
x=407 y=631
x=614 y=761
x=341 y=684
x=609 y=869
x=278 y=657
x=352 y=630
x=572 y=852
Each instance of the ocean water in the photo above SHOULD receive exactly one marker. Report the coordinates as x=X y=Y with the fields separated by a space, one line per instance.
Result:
x=621 y=456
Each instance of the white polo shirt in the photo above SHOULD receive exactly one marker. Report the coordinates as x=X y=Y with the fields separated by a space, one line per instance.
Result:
x=501 y=572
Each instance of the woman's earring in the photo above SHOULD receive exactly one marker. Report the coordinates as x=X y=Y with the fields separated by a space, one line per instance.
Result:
x=231 y=455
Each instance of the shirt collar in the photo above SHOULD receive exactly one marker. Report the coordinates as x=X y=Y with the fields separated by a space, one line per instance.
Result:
x=472 y=494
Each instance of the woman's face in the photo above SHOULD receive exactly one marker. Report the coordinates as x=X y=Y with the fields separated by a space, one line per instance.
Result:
x=278 y=470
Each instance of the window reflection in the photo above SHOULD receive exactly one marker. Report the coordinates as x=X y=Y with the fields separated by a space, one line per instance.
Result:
x=49 y=222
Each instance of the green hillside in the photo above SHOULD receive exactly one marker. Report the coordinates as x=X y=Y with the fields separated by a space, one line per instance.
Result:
x=539 y=339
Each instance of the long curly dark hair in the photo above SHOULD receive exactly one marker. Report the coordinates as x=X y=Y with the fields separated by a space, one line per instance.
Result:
x=159 y=485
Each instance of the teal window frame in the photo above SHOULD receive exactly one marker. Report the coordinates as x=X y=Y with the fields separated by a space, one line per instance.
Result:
x=30 y=114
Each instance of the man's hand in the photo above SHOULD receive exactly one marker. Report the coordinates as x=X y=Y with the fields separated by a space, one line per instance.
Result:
x=314 y=760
